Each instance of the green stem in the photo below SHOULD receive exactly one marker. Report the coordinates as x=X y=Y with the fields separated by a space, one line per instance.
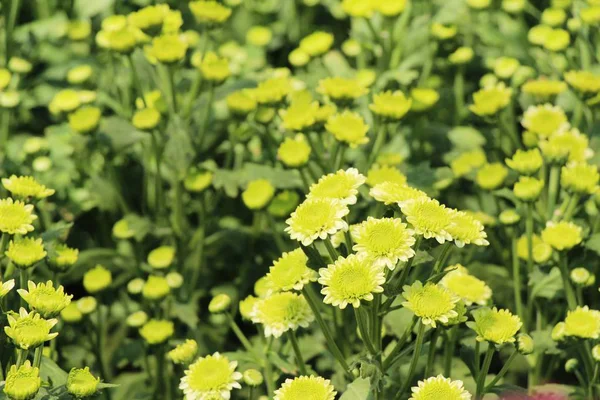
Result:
x=502 y=372
x=242 y=338
x=339 y=161
x=564 y=270
x=3 y=244
x=4 y=128
x=389 y=360
x=101 y=332
x=364 y=330
x=487 y=361
x=158 y=188
x=21 y=357
x=529 y=233
x=554 y=180
x=459 y=94
x=206 y=116
x=313 y=302
x=332 y=252
x=449 y=349
x=573 y=202
x=415 y=359
x=136 y=79
x=517 y=285
x=178 y=212
x=432 y=350
x=297 y=352
x=12 y=14
x=193 y=94
x=37 y=356
x=379 y=141
x=23 y=274
x=441 y=259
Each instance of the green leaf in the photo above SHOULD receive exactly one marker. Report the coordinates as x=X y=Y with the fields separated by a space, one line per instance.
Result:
x=398 y=321
x=466 y=138
x=360 y=389
x=120 y=132
x=543 y=343
x=179 y=150
x=593 y=243
x=51 y=372
x=87 y=9
x=280 y=178
x=545 y=285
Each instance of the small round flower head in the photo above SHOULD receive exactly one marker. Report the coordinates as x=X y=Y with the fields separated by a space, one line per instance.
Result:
x=470 y=289
x=341 y=89
x=438 y=387
x=583 y=81
x=443 y=32
x=596 y=353
x=215 y=68
x=479 y=4
x=423 y=98
x=63 y=257
x=281 y=312
x=489 y=100
x=25 y=252
x=290 y=272
x=505 y=67
x=562 y=235
x=5 y=77
x=87 y=305
x=261 y=287
x=316 y=218
x=157 y=331
x=583 y=323
x=553 y=16
x=526 y=162
x=6 y=287
x=29 y=330
x=358 y=8
x=26 y=187
x=558 y=332
x=491 y=176
x=85 y=119
x=71 y=314
x=580 y=276
x=146 y=119
x=298 y=58
x=571 y=365
x=294 y=151
x=122 y=230
x=259 y=36
x=431 y=302
x=525 y=343
x=348 y=127
x=299 y=116
x=209 y=11
x=156 y=288
x=161 y=257
x=198 y=181
x=258 y=194
x=272 y=91
x=184 y=353
x=253 y=377
x=350 y=280
x=462 y=55
x=580 y=178
x=317 y=43
x=246 y=306
x=22 y=383
x=284 y=203
x=219 y=303
x=392 y=192
x=509 y=217
x=66 y=100
x=81 y=383
x=495 y=326
x=304 y=386
x=342 y=185
x=97 y=279
x=528 y=189
x=383 y=241
x=137 y=319
x=557 y=40
x=210 y=377
x=45 y=299
x=79 y=74
x=390 y=105
x=428 y=218
x=135 y=286
x=16 y=217
x=467 y=162
x=466 y=229
x=385 y=173
x=241 y=102
x=544 y=88
x=545 y=120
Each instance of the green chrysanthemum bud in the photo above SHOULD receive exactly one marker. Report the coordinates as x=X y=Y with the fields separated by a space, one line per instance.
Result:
x=157 y=331
x=220 y=303
x=558 y=332
x=184 y=353
x=81 y=383
x=62 y=258
x=509 y=217
x=596 y=353
x=161 y=257
x=146 y=119
x=29 y=330
x=87 y=305
x=580 y=276
x=174 y=280
x=525 y=344
x=571 y=365
x=137 y=319
x=45 y=299
x=252 y=377
x=122 y=230
x=26 y=252
x=135 y=286
x=97 y=279
x=71 y=314
x=22 y=383
x=156 y=288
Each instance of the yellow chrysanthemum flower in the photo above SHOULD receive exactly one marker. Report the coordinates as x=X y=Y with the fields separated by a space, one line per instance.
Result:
x=246 y=306
x=491 y=176
x=241 y=102
x=467 y=162
x=281 y=312
x=391 y=105
x=63 y=257
x=443 y=32
x=489 y=100
x=423 y=98
x=348 y=127
x=430 y=302
x=157 y=331
x=146 y=119
x=25 y=187
x=385 y=173
x=184 y=353
x=290 y=272
x=572 y=142
x=342 y=185
x=22 y=383
x=383 y=241
x=505 y=67
x=85 y=119
x=5 y=77
x=317 y=43
x=580 y=178
x=45 y=299
x=259 y=36
x=495 y=326
x=358 y=8
x=583 y=81
x=545 y=120
x=390 y=8
x=299 y=388
x=438 y=387
x=528 y=189
x=258 y=194
x=25 y=252
x=210 y=377
x=316 y=218
x=543 y=88
x=156 y=288
x=562 y=235
x=465 y=229
x=470 y=289
x=583 y=322
x=81 y=383
x=167 y=49
x=541 y=251
x=209 y=11
x=462 y=55
x=198 y=181
x=6 y=287
x=272 y=91
x=557 y=40
x=295 y=151
x=29 y=330
x=428 y=218
x=350 y=280
x=97 y=279
x=299 y=115
x=342 y=89
x=161 y=257
x=215 y=68
x=525 y=162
